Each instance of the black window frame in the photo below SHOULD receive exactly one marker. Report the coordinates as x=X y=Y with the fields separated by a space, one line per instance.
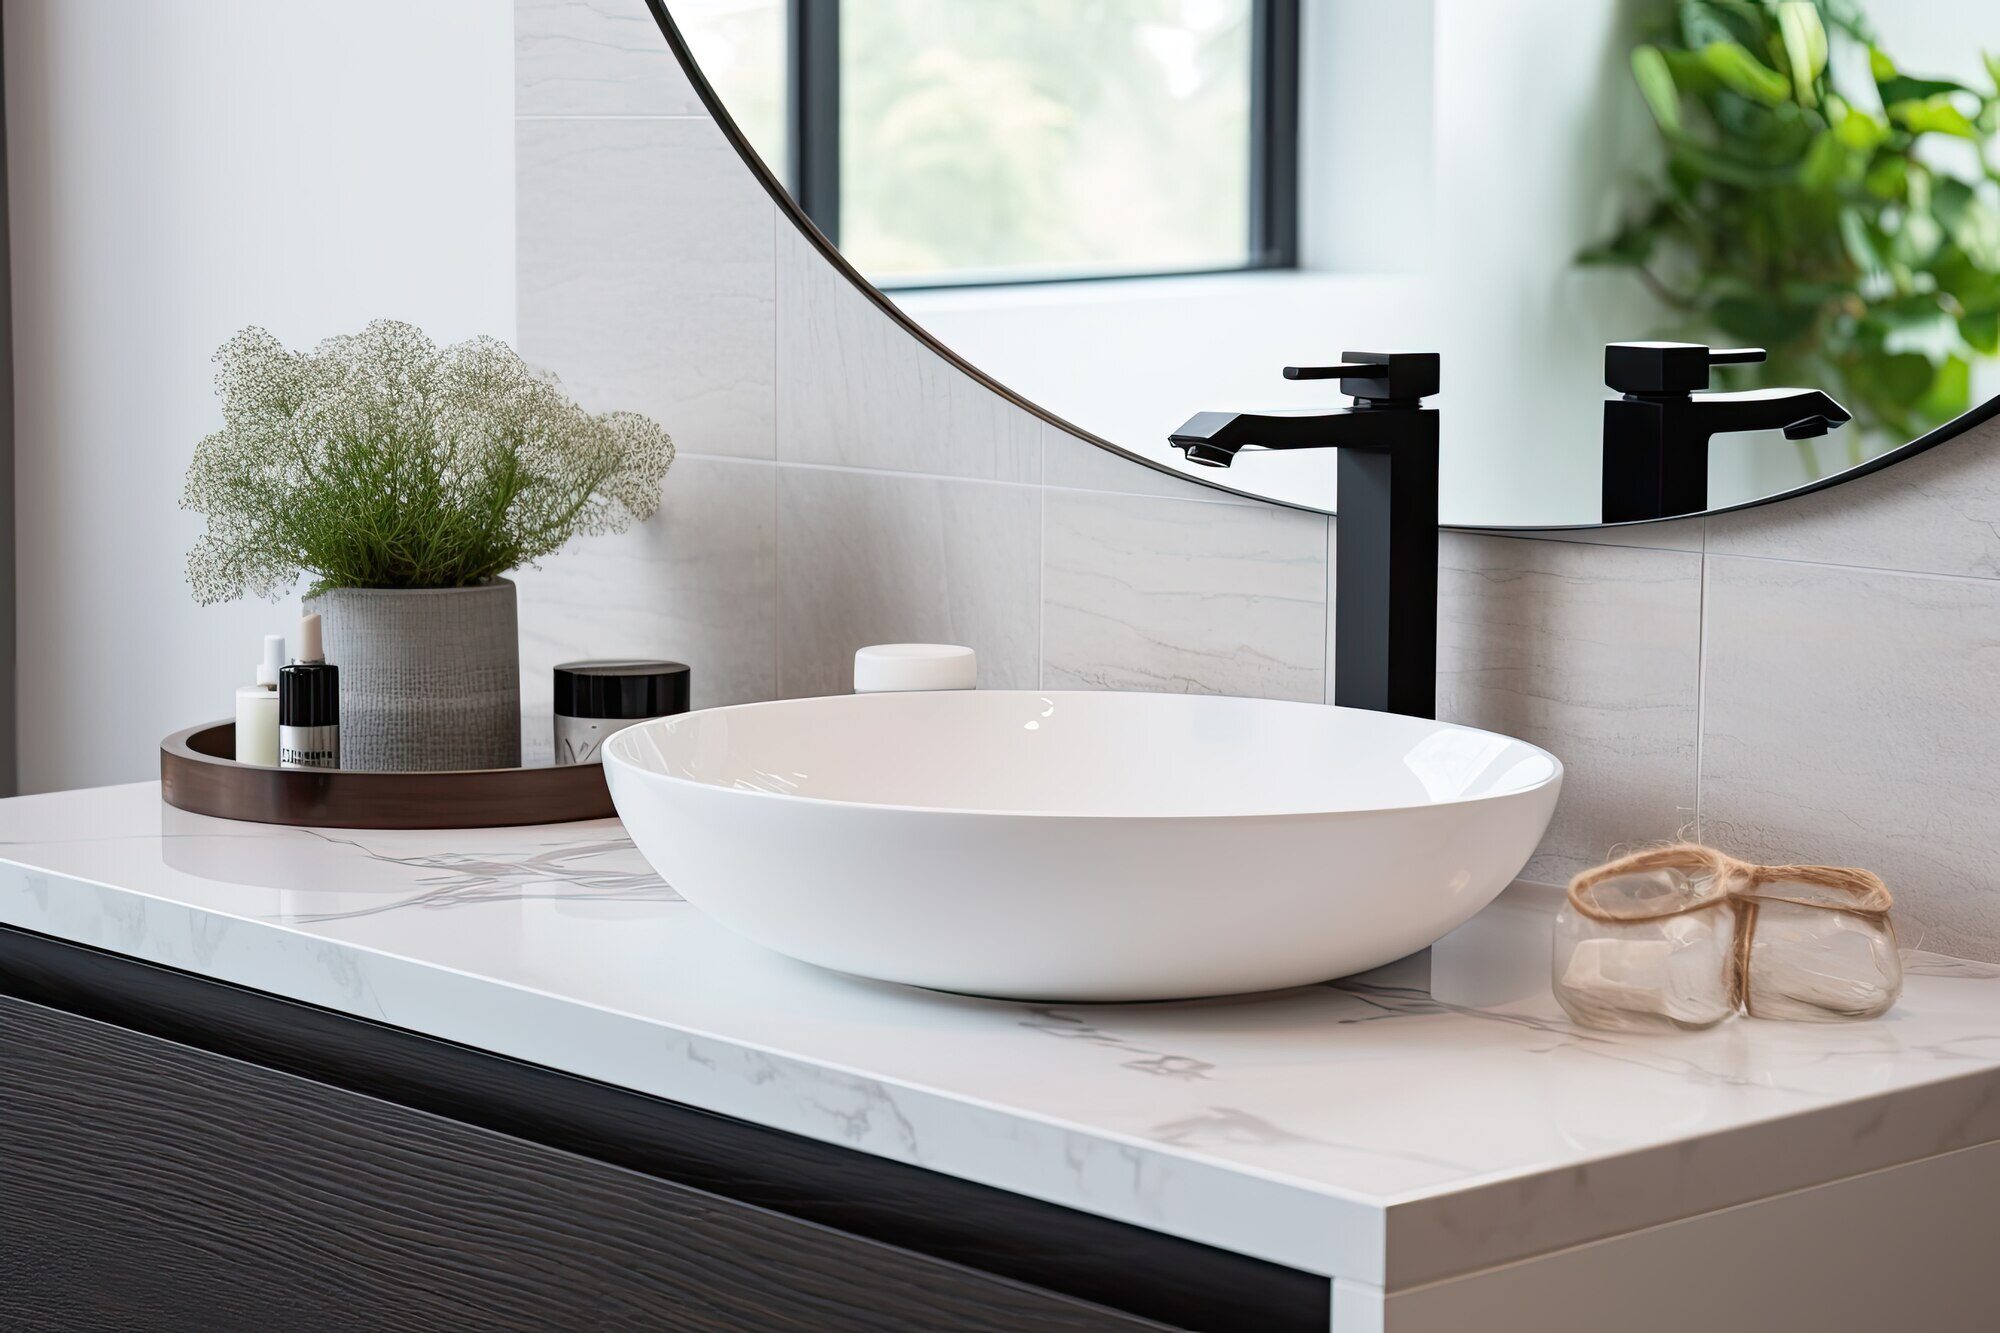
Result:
x=812 y=168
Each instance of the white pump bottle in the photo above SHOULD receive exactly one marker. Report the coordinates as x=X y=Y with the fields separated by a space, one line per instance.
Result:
x=257 y=709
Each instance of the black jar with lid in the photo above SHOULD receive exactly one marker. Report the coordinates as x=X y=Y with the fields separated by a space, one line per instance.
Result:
x=594 y=699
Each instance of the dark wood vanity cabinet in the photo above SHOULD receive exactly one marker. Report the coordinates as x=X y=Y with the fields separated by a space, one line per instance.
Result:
x=146 y=1184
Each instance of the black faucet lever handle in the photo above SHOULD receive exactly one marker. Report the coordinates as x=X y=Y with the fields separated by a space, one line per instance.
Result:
x=1378 y=378
x=1344 y=371
x=1666 y=368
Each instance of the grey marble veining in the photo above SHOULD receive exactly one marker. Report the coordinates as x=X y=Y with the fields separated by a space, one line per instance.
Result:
x=1424 y=1120
x=580 y=870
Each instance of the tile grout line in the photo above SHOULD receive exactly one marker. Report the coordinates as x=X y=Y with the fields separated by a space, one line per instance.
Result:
x=861 y=470
x=1560 y=535
x=1701 y=686
x=1042 y=564
x=1326 y=611
x=610 y=115
x=777 y=479
x=1984 y=580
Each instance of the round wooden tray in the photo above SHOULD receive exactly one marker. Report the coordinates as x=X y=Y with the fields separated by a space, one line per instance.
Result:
x=198 y=772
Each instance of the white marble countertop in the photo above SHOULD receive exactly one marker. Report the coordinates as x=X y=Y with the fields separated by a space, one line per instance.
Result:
x=1423 y=1121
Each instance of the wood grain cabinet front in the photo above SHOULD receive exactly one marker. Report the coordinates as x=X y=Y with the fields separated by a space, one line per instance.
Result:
x=149 y=1185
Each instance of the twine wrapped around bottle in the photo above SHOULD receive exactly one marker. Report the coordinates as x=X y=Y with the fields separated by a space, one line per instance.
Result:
x=1741 y=885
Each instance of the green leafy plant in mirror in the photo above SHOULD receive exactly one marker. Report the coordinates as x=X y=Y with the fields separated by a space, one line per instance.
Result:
x=381 y=460
x=1817 y=200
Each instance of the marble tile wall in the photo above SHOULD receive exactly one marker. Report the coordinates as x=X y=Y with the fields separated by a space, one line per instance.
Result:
x=1818 y=680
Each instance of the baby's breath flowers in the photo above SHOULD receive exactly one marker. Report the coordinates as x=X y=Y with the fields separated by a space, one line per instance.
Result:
x=380 y=460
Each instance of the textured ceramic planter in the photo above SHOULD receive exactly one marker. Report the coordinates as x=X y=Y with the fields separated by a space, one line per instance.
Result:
x=430 y=678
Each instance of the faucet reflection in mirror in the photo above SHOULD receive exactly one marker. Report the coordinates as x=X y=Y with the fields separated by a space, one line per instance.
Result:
x=1385 y=539
x=1656 y=436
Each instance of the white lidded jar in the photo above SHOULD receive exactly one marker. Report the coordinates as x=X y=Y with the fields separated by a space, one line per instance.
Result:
x=885 y=668
x=257 y=709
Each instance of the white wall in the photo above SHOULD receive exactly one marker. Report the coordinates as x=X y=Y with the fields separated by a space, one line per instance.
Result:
x=180 y=171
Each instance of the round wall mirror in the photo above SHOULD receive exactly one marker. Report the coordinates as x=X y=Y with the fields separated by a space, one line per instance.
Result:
x=1124 y=214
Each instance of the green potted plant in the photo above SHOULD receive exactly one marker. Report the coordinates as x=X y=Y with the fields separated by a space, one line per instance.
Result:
x=1838 y=211
x=406 y=480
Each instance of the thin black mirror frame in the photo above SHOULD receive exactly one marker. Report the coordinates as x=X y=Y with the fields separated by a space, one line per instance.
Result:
x=789 y=207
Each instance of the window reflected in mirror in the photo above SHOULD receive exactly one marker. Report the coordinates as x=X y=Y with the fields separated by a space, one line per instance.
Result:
x=1044 y=138
x=1225 y=187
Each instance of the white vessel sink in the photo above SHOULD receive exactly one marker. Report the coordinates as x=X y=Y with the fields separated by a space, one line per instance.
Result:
x=1081 y=846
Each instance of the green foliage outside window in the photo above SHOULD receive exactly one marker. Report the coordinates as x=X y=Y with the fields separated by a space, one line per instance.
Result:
x=1044 y=136
x=1848 y=222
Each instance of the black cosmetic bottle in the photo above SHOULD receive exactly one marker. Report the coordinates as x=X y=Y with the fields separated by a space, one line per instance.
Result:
x=309 y=704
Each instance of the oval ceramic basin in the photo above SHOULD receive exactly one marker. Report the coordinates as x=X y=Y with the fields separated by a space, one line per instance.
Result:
x=1081 y=846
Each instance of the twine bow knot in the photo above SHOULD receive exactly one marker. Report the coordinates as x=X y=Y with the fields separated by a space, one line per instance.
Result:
x=1741 y=885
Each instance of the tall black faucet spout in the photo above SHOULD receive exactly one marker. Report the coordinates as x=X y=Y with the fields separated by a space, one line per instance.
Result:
x=1385 y=536
x=1213 y=439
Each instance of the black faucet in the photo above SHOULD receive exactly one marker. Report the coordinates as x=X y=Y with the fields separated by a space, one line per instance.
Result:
x=1385 y=543
x=1656 y=436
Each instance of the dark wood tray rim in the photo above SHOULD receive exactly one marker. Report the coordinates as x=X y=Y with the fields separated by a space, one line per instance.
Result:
x=197 y=774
